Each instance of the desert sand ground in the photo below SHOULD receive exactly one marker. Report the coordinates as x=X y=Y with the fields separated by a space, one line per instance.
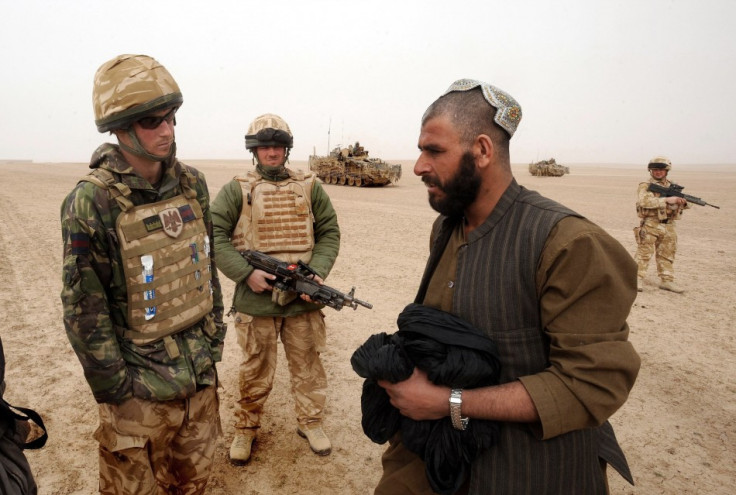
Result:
x=678 y=427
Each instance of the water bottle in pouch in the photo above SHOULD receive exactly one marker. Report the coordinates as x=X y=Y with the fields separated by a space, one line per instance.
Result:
x=147 y=262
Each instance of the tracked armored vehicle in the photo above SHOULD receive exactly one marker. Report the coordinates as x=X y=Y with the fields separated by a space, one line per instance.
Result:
x=548 y=168
x=351 y=166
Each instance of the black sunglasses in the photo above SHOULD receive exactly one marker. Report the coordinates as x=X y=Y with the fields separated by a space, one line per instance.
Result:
x=152 y=122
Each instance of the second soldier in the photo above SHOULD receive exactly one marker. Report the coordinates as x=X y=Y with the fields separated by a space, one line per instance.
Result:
x=288 y=215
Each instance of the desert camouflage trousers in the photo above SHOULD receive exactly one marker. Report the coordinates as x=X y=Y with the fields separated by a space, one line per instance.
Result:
x=658 y=239
x=156 y=448
x=303 y=337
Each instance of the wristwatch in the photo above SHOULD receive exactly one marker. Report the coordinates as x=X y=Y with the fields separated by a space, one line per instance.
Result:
x=456 y=402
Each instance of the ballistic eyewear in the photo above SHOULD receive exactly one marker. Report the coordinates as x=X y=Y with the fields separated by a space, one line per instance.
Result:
x=151 y=122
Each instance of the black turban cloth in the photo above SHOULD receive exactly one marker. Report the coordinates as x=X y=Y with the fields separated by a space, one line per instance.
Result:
x=453 y=353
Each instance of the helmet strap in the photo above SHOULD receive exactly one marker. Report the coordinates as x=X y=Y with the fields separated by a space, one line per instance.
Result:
x=138 y=150
x=275 y=174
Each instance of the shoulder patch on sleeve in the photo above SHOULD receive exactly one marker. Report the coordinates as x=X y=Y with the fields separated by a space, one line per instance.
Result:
x=80 y=243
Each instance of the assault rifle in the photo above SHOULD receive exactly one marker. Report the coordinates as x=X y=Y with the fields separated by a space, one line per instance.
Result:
x=297 y=277
x=676 y=190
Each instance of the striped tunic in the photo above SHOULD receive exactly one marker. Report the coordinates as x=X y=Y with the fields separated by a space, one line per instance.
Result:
x=496 y=290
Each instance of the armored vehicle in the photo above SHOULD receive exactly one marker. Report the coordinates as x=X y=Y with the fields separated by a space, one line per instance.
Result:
x=548 y=168
x=351 y=166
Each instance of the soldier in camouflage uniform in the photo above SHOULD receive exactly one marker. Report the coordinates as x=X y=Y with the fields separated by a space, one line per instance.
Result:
x=288 y=215
x=656 y=232
x=141 y=298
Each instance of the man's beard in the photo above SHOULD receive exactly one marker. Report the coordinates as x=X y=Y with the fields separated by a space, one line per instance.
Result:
x=460 y=191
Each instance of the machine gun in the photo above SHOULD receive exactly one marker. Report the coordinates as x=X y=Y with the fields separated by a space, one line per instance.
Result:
x=676 y=190
x=298 y=277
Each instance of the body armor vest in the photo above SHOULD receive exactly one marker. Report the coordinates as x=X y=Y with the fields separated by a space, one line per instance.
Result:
x=165 y=253
x=276 y=217
x=667 y=212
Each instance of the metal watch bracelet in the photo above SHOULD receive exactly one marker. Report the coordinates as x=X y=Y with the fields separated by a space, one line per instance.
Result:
x=456 y=402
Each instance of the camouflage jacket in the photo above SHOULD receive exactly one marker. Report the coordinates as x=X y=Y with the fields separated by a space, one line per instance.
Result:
x=226 y=209
x=94 y=295
x=651 y=205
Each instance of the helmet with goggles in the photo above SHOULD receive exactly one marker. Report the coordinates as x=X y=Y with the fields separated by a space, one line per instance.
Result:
x=129 y=88
x=659 y=162
x=268 y=130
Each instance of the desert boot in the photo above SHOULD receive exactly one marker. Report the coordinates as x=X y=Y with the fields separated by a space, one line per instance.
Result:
x=671 y=286
x=318 y=441
x=241 y=447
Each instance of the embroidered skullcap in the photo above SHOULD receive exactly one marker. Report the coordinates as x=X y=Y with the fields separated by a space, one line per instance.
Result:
x=508 y=110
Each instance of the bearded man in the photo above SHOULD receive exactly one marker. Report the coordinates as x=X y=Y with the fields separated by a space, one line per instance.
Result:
x=550 y=288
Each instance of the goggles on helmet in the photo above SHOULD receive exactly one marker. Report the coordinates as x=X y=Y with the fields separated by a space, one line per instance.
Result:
x=273 y=135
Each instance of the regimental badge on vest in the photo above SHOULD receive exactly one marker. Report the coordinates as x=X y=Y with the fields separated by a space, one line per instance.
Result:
x=171 y=222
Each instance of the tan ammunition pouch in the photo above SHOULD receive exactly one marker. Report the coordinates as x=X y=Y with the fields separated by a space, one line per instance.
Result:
x=640 y=232
x=637 y=233
x=660 y=213
x=173 y=232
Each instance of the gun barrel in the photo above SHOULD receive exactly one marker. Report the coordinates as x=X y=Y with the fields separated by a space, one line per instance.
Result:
x=693 y=199
x=698 y=201
x=676 y=190
x=362 y=303
x=353 y=302
x=299 y=278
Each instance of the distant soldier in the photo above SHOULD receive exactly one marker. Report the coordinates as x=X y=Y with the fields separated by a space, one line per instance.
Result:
x=289 y=216
x=656 y=232
x=141 y=298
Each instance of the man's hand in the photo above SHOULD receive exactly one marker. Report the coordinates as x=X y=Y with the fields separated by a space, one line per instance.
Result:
x=417 y=398
x=675 y=200
x=258 y=281
x=317 y=279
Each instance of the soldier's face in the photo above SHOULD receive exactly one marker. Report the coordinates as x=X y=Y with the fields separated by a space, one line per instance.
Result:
x=658 y=173
x=447 y=168
x=157 y=140
x=271 y=156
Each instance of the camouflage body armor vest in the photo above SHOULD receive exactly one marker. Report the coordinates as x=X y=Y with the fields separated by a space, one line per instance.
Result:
x=276 y=217
x=165 y=252
x=667 y=212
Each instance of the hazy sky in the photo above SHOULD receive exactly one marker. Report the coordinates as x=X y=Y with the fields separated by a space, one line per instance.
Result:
x=598 y=80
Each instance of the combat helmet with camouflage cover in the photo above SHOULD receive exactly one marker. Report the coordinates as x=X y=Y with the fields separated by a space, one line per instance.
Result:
x=268 y=130
x=129 y=87
x=660 y=162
